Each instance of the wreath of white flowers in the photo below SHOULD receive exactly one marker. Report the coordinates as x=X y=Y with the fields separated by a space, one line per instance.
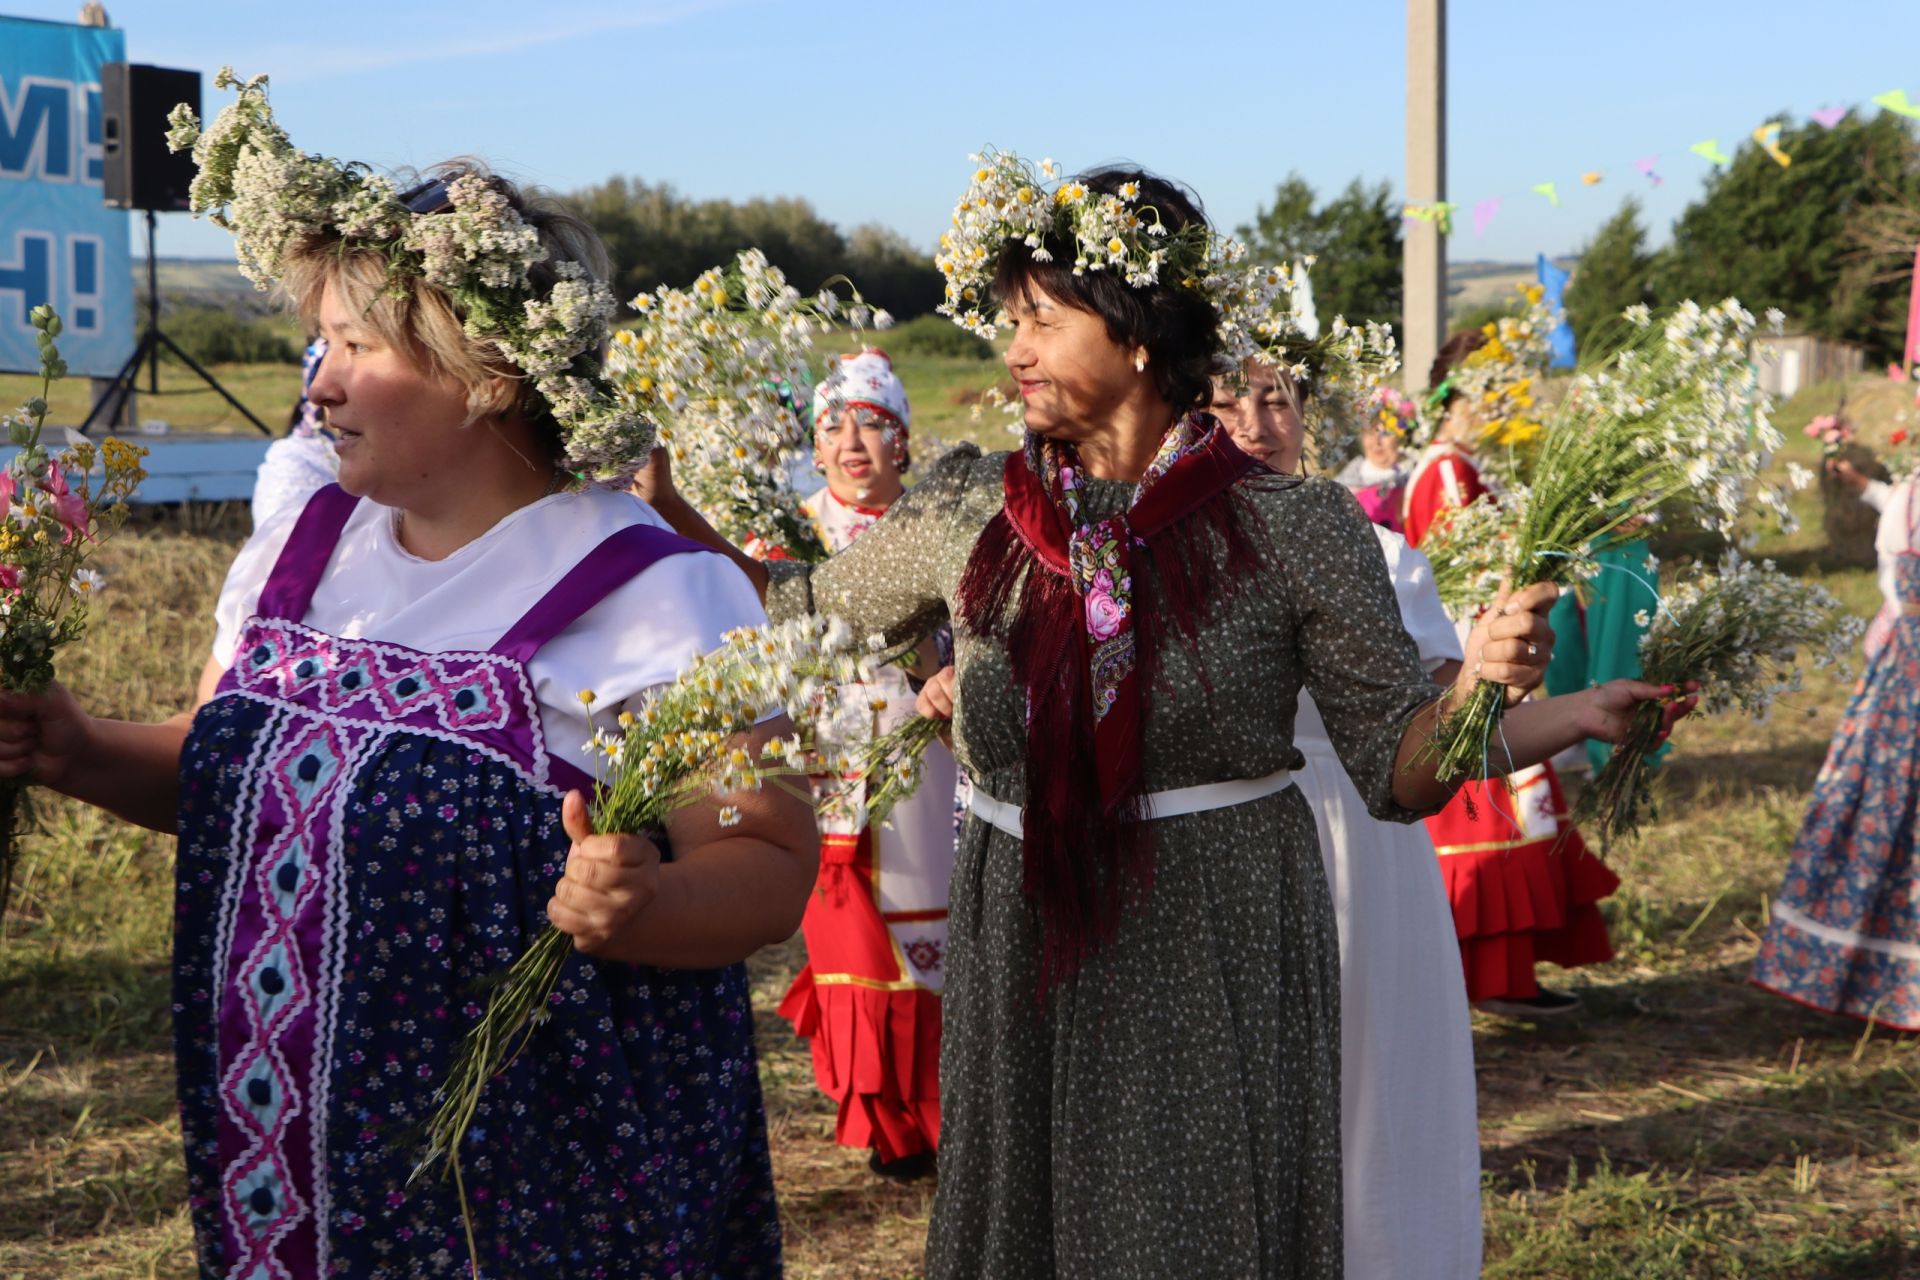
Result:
x=475 y=246
x=1010 y=200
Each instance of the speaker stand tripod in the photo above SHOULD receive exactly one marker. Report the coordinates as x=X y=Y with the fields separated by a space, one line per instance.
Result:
x=148 y=349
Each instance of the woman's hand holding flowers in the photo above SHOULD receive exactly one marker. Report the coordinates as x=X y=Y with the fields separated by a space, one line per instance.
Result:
x=610 y=880
x=1511 y=643
x=42 y=735
x=1606 y=711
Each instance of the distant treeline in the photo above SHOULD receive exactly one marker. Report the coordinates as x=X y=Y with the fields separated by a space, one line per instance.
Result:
x=657 y=236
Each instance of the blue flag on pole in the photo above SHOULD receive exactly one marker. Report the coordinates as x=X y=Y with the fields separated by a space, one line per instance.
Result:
x=1554 y=280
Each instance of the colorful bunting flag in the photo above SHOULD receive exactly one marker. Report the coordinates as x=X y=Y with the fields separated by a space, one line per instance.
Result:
x=1440 y=213
x=1553 y=279
x=1768 y=136
x=1913 y=317
x=1710 y=152
x=1484 y=213
x=1895 y=100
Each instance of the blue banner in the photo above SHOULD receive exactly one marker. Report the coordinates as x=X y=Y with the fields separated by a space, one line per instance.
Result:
x=58 y=242
x=1554 y=280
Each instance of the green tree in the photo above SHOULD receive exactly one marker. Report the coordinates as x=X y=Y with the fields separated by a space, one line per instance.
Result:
x=656 y=236
x=1778 y=237
x=1355 y=236
x=1615 y=272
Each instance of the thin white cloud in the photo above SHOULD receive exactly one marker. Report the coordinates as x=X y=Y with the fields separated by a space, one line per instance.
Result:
x=306 y=61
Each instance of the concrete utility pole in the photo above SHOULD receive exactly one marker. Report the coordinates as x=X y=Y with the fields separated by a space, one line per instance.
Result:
x=1423 y=263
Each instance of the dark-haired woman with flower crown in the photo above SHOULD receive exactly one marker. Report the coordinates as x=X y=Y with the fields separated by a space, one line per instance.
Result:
x=1140 y=1076
x=379 y=792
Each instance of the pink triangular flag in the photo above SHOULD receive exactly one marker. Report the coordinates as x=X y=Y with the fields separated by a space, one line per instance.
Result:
x=1827 y=117
x=1483 y=214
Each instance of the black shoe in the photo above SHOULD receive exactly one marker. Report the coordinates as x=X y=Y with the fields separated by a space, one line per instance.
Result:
x=906 y=1169
x=1547 y=1004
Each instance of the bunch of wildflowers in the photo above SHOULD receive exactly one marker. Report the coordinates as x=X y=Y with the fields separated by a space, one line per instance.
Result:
x=1498 y=381
x=1832 y=432
x=721 y=367
x=1739 y=630
x=1498 y=377
x=1678 y=412
x=55 y=507
x=478 y=250
x=682 y=745
x=1901 y=457
x=1393 y=411
x=1470 y=548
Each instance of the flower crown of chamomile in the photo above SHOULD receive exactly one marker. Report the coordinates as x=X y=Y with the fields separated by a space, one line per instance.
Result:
x=471 y=243
x=1497 y=377
x=1010 y=199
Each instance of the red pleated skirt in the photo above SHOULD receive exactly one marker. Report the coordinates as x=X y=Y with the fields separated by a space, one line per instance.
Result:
x=1519 y=898
x=874 y=1032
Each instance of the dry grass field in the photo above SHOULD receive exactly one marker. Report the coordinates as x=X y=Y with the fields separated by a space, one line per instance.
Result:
x=1686 y=1125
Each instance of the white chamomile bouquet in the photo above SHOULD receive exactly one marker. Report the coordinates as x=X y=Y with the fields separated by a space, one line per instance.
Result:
x=1739 y=630
x=721 y=368
x=1678 y=412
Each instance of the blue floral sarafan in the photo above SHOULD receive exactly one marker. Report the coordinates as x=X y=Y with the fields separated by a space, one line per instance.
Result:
x=1845 y=934
x=367 y=832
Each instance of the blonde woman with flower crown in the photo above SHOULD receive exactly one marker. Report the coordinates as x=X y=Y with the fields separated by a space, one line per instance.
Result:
x=379 y=790
x=1139 y=1076
x=868 y=1000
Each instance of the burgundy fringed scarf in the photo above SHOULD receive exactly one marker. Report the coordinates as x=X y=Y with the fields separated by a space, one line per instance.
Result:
x=1083 y=650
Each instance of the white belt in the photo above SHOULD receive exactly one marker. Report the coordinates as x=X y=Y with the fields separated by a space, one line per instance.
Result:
x=1158 y=804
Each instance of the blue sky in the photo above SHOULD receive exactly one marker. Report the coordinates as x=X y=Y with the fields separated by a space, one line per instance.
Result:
x=868 y=108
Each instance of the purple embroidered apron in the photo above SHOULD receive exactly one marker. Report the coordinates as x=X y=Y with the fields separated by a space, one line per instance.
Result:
x=366 y=832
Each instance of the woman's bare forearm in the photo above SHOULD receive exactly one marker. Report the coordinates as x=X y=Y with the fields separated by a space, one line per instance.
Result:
x=1528 y=734
x=721 y=904
x=131 y=770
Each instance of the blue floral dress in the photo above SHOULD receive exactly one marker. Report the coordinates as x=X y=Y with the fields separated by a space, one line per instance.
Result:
x=367 y=832
x=1845 y=933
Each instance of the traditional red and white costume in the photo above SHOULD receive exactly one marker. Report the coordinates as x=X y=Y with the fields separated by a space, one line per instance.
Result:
x=876 y=926
x=1523 y=885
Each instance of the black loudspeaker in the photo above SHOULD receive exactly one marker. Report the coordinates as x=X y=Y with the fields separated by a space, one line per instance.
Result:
x=135 y=100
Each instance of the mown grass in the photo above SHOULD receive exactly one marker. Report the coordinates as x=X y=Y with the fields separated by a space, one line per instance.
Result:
x=185 y=403
x=1687 y=1125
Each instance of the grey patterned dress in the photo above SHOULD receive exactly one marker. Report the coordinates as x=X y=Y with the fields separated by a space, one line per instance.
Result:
x=1173 y=1109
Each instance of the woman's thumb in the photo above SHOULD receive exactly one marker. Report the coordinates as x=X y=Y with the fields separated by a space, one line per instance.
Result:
x=573 y=817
